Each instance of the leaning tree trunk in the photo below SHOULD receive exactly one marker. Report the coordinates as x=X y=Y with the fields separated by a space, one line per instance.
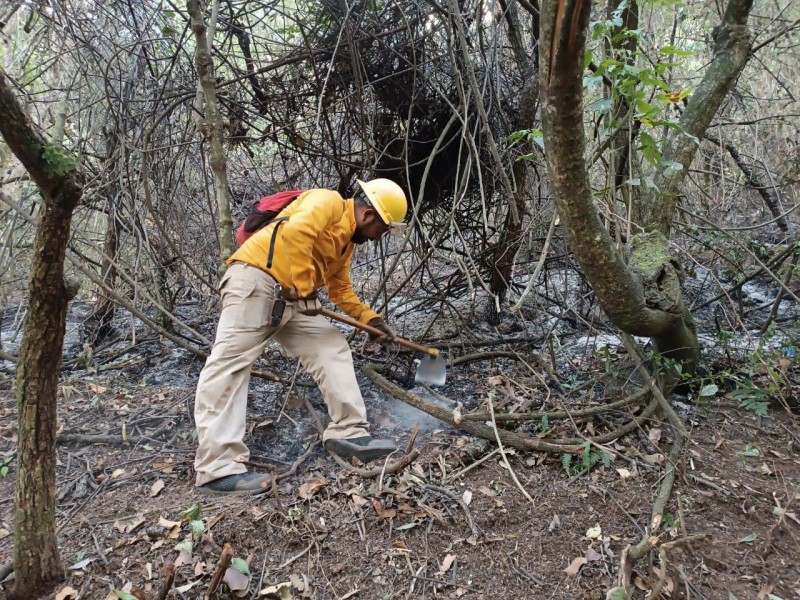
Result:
x=645 y=296
x=36 y=559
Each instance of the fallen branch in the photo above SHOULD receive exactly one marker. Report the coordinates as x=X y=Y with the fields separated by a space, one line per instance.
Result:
x=390 y=467
x=508 y=438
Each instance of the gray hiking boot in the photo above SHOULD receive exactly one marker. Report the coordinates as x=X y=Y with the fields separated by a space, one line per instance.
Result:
x=364 y=448
x=239 y=483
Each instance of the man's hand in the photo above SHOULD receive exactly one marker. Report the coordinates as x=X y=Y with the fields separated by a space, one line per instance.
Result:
x=388 y=334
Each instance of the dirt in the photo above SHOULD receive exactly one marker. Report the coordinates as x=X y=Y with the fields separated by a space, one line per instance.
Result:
x=436 y=530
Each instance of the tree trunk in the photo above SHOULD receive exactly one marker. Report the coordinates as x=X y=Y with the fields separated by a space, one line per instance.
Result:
x=214 y=131
x=98 y=325
x=36 y=559
x=646 y=298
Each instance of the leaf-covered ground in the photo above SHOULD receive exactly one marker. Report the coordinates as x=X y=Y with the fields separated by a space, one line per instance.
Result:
x=438 y=530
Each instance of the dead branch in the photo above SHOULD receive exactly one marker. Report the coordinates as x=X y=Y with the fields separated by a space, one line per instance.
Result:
x=219 y=573
x=169 y=578
x=390 y=468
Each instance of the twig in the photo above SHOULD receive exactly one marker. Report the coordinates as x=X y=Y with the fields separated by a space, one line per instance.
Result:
x=503 y=452
x=169 y=578
x=219 y=572
x=467 y=469
x=289 y=561
x=440 y=490
x=6 y=569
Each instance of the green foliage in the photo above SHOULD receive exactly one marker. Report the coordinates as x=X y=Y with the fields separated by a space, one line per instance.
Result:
x=588 y=458
x=4 y=468
x=60 y=161
x=752 y=398
x=192 y=513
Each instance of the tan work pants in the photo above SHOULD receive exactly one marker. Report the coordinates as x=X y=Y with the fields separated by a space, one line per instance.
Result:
x=242 y=333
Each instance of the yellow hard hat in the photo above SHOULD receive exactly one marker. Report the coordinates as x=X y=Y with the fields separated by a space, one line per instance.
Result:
x=387 y=198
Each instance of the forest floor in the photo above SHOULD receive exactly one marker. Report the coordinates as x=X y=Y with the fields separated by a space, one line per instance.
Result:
x=433 y=531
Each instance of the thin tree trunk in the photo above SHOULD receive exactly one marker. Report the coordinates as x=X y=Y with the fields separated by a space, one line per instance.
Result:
x=214 y=131
x=36 y=559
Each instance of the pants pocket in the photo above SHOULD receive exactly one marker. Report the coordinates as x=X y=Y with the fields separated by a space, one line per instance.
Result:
x=246 y=299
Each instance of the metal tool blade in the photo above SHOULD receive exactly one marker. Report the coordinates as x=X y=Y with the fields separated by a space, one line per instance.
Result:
x=431 y=371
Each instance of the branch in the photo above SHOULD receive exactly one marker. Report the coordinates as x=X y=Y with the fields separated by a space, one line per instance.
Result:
x=733 y=43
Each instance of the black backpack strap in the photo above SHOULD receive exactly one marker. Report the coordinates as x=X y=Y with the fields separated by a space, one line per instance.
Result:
x=271 y=253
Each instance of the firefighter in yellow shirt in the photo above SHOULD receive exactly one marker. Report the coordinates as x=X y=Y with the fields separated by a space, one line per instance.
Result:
x=270 y=292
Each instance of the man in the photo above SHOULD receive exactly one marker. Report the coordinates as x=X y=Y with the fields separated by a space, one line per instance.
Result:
x=307 y=247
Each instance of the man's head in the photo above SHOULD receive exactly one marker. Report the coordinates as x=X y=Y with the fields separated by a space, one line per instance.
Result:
x=380 y=206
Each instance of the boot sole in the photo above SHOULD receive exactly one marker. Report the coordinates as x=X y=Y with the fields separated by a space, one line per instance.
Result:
x=211 y=492
x=365 y=455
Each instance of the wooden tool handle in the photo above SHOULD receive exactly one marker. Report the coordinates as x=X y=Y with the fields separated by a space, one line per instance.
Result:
x=433 y=352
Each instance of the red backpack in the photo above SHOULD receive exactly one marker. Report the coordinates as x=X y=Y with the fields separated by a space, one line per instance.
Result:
x=263 y=212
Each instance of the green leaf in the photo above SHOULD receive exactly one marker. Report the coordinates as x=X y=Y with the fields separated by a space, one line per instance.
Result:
x=675 y=50
x=731 y=596
x=240 y=565
x=749 y=452
x=192 y=513
x=587 y=58
x=708 y=390
x=590 y=82
x=617 y=593
x=646 y=79
x=124 y=595
x=749 y=538
x=407 y=526
x=197 y=527
x=671 y=165
x=3 y=471
x=186 y=545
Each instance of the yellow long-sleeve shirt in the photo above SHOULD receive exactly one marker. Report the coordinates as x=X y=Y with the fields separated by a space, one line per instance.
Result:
x=312 y=249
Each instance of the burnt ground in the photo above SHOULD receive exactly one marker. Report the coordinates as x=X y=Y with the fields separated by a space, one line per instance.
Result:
x=434 y=531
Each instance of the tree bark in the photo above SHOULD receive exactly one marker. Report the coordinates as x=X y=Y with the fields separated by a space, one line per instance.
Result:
x=733 y=43
x=214 y=132
x=36 y=558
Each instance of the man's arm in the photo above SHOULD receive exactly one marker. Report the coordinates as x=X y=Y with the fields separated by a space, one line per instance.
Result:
x=340 y=291
x=316 y=212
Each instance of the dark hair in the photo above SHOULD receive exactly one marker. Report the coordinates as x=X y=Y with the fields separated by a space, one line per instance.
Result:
x=362 y=199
